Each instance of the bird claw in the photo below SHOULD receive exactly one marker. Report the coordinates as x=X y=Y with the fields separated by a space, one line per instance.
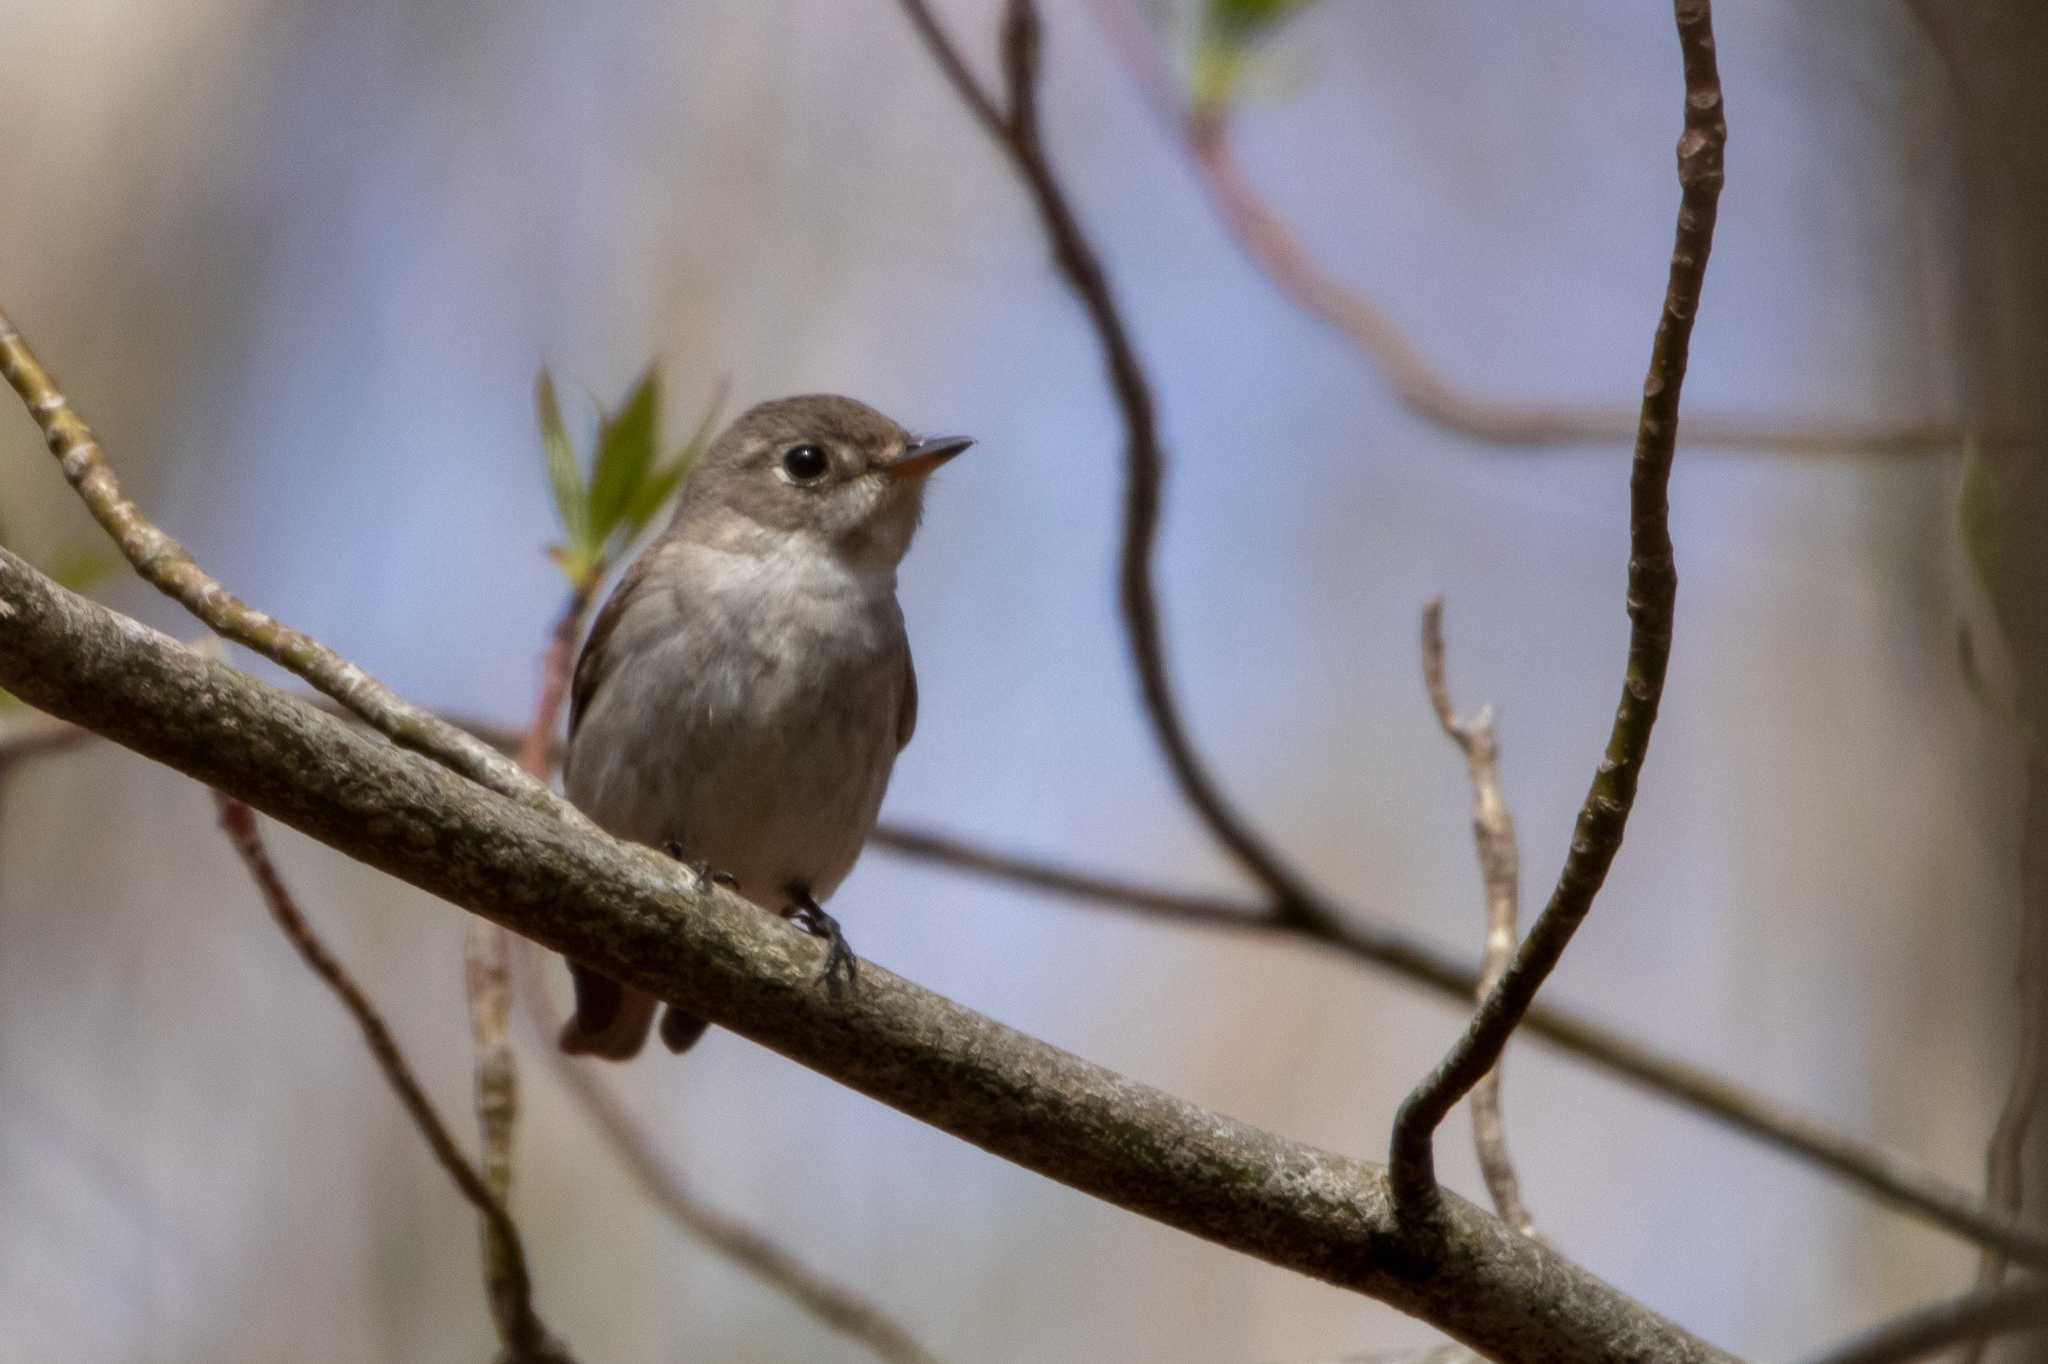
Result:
x=810 y=916
x=707 y=875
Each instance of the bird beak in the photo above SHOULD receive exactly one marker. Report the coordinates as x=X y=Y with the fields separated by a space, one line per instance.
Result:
x=921 y=457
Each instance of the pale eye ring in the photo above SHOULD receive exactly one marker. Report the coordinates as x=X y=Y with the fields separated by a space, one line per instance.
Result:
x=806 y=463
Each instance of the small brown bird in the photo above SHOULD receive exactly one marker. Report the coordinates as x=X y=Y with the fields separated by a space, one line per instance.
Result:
x=746 y=689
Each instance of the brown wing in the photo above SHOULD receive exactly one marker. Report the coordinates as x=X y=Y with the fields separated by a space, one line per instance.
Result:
x=906 y=708
x=594 y=664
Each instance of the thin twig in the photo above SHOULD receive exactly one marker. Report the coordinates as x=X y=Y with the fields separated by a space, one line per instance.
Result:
x=1264 y=237
x=1500 y=870
x=486 y=948
x=835 y=1306
x=2003 y=1309
x=1652 y=595
x=2003 y=1161
x=1014 y=125
x=511 y=1295
x=1887 y=1176
x=166 y=565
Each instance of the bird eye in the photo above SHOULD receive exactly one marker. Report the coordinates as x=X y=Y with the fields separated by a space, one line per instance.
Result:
x=805 y=463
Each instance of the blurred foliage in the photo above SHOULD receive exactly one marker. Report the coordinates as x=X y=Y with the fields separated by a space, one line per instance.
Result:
x=2007 y=551
x=629 y=483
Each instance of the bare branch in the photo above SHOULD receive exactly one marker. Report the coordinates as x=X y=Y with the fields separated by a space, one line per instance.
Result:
x=2000 y=1310
x=166 y=565
x=837 y=1307
x=1017 y=133
x=1500 y=870
x=1204 y=134
x=1652 y=595
x=486 y=947
x=525 y=1339
x=2003 y=1159
x=645 y=921
x=1887 y=1176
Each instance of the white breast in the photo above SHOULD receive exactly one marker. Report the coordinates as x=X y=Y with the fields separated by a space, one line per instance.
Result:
x=751 y=715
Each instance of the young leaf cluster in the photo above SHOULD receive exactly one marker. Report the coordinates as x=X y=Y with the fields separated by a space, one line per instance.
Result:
x=629 y=480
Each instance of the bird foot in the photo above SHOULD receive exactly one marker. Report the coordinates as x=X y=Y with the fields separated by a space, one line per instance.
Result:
x=806 y=913
x=707 y=875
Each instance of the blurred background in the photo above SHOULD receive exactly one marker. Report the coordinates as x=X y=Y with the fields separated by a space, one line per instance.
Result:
x=299 y=263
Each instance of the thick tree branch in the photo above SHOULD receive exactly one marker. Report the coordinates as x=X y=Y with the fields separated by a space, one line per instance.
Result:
x=642 y=919
x=1893 y=1179
x=1418 y=385
x=511 y=1288
x=1651 y=599
x=1999 y=1310
x=1500 y=871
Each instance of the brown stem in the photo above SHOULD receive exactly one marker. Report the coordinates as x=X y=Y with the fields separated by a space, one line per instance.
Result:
x=1415 y=383
x=1651 y=598
x=486 y=948
x=1500 y=870
x=1014 y=125
x=511 y=1289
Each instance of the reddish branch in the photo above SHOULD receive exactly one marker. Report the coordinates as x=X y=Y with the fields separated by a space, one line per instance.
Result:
x=1651 y=597
x=524 y=1337
x=1273 y=246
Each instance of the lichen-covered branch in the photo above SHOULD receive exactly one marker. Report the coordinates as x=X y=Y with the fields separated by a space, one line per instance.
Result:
x=1651 y=600
x=169 y=567
x=1893 y=1179
x=526 y=1341
x=1500 y=871
x=643 y=919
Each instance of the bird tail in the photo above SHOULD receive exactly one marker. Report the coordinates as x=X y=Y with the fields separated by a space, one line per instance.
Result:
x=611 y=1019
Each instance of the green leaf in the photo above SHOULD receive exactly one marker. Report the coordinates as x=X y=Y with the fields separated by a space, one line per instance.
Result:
x=660 y=485
x=563 y=477
x=625 y=452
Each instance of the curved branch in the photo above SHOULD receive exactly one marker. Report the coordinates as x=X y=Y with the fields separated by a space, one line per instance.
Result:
x=645 y=921
x=1415 y=383
x=1016 y=131
x=1651 y=599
